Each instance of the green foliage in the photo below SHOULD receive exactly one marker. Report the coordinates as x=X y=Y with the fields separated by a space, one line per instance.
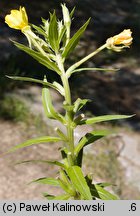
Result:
x=74 y=40
x=53 y=33
x=79 y=182
x=51 y=50
x=42 y=59
x=104 y=118
x=50 y=181
x=35 y=141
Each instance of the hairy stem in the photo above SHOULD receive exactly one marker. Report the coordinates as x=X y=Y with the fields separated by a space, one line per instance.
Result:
x=69 y=116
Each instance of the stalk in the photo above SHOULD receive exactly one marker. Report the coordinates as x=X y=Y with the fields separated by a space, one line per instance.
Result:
x=77 y=64
x=69 y=117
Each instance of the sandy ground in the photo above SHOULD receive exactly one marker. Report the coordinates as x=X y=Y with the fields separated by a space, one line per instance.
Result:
x=14 y=178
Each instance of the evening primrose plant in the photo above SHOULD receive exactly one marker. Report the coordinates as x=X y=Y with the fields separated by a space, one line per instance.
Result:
x=51 y=44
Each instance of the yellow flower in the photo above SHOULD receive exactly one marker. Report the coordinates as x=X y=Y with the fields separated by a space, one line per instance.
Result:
x=17 y=19
x=120 y=41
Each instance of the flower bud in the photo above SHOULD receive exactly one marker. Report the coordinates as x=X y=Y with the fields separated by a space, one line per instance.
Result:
x=120 y=41
x=66 y=14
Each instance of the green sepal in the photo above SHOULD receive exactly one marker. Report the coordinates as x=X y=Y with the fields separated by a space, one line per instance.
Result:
x=42 y=59
x=90 y=138
x=103 y=118
x=53 y=32
x=78 y=180
x=74 y=40
x=49 y=181
x=35 y=141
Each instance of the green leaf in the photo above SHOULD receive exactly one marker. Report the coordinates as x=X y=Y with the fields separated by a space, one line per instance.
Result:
x=104 y=184
x=53 y=32
x=61 y=34
x=48 y=106
x=57 y=163
x=101 y=193
x=29 y=79
x=67 y=187
x=62 y=197
x=72 y=12
x=90 y=138
x=59 y=197
x=79 y=182
x=35 y=141
x=40 y=30
x=42 y=59
x=79 y=103
x=93 y=69
x=104 y=118
x=74 y=40
x=48 y=196
x=49 y=181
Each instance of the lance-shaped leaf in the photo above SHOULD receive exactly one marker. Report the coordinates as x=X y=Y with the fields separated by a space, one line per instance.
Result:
x=104 y=184
x=35 y=141
x=62 y=30
x=79 y=182
x=53 y=32
x=29 y=79
x=66 y=183
x=91 y=69
x=74 y=40
x=49 y=181
x=40 y=30
x=57 y=163
x=48 y=106
x=72 y=12
x=90 y=138
x=59 y=197
x=62 y=197
x=79 y=103
x=100 y=193
x=104 y=118
x=42 y=59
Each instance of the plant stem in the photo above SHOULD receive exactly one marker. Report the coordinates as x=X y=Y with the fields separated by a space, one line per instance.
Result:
x=69 y=115
x=77 y=64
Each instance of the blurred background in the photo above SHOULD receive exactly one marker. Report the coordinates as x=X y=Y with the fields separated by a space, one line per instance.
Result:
x=114 y=159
